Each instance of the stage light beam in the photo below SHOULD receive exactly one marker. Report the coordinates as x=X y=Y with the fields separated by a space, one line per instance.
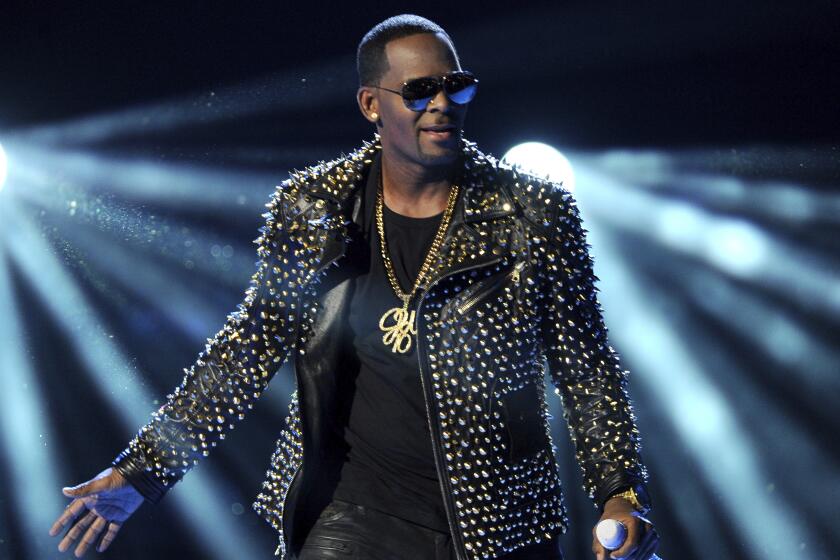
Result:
x=3 y=167
x=118 y=381
x=699 y=410
x=29 y=459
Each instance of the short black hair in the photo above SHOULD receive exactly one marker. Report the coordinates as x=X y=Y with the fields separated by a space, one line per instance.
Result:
x=371 y=62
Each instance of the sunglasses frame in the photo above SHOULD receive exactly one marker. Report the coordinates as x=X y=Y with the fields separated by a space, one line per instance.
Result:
x=441 y=86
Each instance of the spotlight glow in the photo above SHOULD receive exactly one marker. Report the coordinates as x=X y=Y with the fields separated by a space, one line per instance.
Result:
x=542 y=160
x=3 y=168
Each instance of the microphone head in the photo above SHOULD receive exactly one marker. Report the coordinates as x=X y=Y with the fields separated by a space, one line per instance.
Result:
x=611 y=533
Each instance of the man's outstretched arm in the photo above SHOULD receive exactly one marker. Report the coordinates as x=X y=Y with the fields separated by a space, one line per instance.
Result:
x=587 y=373
x=221 y=386
x=229 y=375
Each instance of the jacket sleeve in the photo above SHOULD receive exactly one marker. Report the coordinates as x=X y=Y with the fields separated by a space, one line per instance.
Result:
x=584 y=368
x=230 y=373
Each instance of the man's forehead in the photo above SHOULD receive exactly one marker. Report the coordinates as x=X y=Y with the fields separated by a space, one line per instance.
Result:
x=419 y=55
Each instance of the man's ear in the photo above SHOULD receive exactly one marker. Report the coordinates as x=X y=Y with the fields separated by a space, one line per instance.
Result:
x=368 y=104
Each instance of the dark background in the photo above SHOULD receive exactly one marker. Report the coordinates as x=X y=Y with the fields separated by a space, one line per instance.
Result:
x=650 y=73
x=252 y=90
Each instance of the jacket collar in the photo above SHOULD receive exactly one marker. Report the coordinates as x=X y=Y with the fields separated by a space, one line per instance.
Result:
x=337 y=187
x=342 y=182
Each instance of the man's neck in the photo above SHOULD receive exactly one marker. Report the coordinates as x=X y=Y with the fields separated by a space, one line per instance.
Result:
x=413 y=190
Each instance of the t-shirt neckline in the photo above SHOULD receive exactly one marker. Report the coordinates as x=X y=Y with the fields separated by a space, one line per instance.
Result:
x=410 y=221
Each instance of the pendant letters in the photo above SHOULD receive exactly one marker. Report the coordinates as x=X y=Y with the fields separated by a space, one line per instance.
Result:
x=398 y=335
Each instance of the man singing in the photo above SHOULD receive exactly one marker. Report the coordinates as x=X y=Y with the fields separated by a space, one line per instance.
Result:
x=420 y=289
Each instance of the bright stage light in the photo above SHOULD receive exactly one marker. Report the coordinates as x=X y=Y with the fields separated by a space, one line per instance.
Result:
x=3 y=168
x=542 y=160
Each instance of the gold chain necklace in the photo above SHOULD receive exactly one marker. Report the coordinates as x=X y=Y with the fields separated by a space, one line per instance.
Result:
x=398 y=334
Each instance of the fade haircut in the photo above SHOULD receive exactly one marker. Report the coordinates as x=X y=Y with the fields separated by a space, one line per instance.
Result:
x=371 y=62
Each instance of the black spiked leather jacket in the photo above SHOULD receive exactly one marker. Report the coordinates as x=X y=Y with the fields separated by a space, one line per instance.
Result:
x=512 y=292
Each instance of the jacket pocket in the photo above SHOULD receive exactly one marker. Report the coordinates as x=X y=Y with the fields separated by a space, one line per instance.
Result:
x=483 y=290
x=523 y=422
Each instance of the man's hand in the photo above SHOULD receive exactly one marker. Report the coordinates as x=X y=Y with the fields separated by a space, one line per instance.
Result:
x=620 y=510
x=108 y=499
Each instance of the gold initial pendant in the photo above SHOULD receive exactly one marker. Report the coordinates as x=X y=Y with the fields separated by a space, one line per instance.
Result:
x=398 y=335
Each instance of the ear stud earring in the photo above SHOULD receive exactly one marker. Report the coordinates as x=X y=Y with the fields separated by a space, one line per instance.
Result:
x=374 y=116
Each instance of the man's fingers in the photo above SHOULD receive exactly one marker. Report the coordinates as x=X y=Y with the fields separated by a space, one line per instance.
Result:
x=631 y=543
x=109 y=537
x=598 y=550
x=71 y=512
x=90 y=536
x=75 y=491
x=76 y=530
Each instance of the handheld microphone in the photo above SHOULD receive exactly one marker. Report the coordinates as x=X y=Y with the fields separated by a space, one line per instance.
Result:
x=612 y=533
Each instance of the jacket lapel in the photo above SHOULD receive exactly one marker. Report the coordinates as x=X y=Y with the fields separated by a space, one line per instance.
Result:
x=476 y=235
x=480 y=232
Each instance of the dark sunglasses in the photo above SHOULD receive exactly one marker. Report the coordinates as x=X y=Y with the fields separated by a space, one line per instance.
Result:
x=459 y=87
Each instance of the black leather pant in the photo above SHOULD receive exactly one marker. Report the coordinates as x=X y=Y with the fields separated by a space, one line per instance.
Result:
x=349 y=531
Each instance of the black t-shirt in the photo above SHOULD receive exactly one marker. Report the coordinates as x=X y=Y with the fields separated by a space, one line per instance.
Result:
x=390 y=465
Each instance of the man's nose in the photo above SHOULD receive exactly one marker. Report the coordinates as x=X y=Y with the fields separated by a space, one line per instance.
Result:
x=439 y=102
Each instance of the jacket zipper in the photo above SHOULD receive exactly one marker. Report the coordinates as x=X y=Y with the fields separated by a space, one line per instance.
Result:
x=514 y=273
x=443 y=478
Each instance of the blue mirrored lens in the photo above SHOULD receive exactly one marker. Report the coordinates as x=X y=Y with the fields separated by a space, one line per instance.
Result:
x=464 y=95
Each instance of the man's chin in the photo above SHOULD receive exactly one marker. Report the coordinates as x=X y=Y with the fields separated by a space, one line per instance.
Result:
x=438 y=157
x=436 y=153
